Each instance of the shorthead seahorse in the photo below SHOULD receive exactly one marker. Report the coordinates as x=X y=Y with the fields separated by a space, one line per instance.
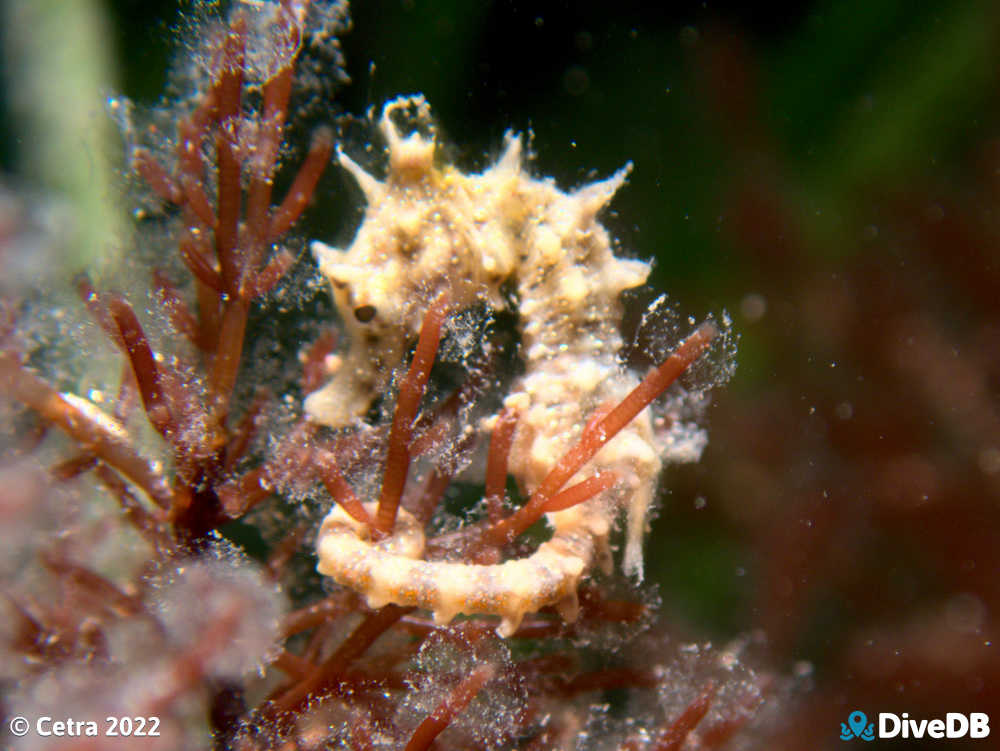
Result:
x=431 y=230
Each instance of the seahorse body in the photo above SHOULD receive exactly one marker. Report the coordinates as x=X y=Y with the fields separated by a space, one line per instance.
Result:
x=428 y=229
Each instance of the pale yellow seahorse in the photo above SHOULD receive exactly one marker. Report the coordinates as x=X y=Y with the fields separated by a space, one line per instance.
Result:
x=429 y=229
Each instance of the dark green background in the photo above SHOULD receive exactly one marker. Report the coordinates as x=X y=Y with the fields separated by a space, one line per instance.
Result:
x=792 y=152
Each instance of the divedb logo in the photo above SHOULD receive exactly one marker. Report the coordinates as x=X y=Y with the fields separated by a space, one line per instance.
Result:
x=954 y=725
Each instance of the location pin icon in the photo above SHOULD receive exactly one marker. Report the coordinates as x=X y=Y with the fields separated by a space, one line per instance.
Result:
x=857 y=721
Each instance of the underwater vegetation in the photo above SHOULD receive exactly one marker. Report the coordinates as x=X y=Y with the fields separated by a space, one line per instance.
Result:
x=179 y=602
x=371 y=428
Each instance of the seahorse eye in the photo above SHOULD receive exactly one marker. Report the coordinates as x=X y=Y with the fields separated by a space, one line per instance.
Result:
x=365 y=313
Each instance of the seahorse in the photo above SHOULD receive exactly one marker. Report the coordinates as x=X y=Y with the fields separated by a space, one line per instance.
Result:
x=429 y=230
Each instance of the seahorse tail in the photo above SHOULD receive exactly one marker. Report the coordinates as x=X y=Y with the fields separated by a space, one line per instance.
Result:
x=392 y=571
